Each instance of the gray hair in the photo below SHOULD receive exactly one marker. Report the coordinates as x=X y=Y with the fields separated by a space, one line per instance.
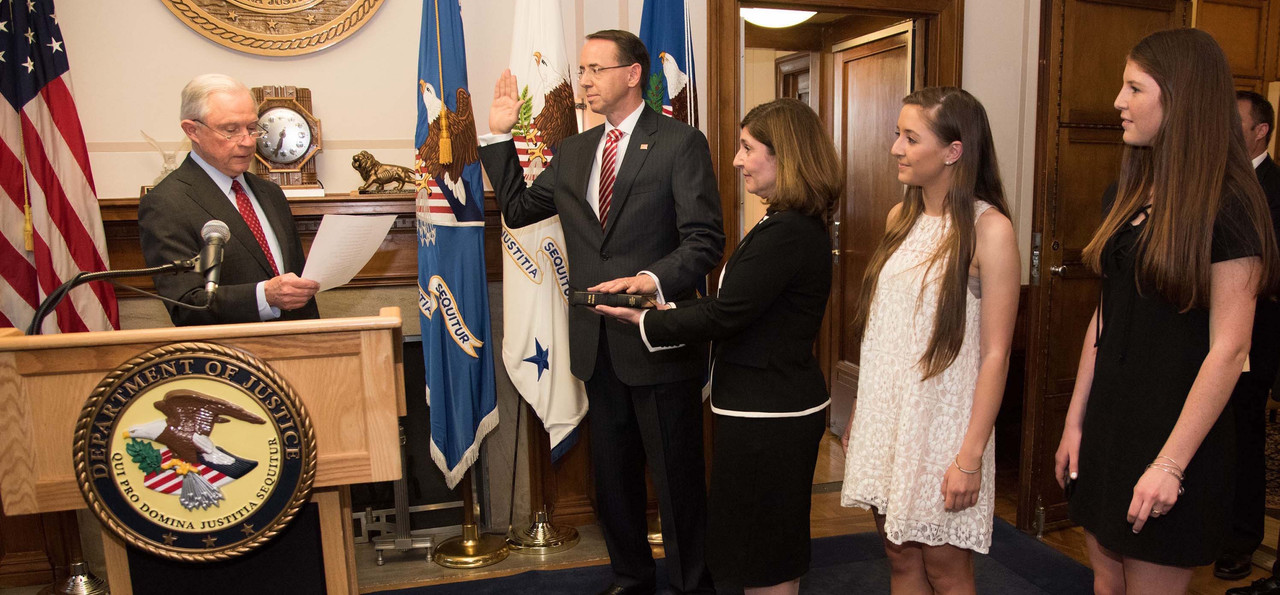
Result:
x=195 y=96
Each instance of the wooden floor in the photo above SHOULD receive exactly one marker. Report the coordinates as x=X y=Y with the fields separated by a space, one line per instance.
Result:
x=829 y=518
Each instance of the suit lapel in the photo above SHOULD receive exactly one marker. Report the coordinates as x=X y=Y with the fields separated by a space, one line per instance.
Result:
x=642 y=141
x=733 y=258
x=204 y=193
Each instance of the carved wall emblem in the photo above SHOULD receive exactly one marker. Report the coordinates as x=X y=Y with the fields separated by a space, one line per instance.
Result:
x=194 y=452
x=274 y=27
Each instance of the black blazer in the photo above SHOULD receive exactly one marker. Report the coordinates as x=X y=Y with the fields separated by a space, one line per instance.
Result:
x=1264 y=353
x=664 y=218
x=764 y=320
x=170 y=217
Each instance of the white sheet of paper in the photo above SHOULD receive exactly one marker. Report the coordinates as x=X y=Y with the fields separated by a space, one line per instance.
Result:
x=343 y=244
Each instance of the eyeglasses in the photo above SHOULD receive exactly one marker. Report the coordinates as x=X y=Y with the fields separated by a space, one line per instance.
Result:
x=596 y=70
x=256 y=132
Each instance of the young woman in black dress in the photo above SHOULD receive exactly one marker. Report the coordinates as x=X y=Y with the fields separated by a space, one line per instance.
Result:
x=1184 y=249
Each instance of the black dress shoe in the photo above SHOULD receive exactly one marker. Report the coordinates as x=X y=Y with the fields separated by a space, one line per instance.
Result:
x=1262 y=586
x=1233 y=568
x=615 y=589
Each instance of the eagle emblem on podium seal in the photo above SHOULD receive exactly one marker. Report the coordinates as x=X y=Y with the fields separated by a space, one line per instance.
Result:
x=194 y=452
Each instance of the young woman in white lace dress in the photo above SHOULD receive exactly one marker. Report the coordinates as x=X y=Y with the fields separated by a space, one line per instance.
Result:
x=936 y=315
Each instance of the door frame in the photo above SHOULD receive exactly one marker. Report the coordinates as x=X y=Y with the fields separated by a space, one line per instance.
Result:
x=941 y=22
x=939 y=26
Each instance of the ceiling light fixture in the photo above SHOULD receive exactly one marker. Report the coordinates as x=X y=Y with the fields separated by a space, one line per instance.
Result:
x=774 y=18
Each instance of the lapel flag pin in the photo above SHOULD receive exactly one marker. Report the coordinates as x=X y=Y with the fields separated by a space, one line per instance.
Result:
x=644 y=146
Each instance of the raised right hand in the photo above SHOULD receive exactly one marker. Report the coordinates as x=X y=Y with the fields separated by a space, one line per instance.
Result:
x=505 y=109
x=1067 y=460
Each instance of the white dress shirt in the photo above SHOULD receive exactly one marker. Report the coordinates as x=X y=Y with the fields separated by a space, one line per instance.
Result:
x=223 y=182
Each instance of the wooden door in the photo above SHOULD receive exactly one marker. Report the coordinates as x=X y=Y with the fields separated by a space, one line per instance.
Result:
x=870 y=81
x=1078 y=150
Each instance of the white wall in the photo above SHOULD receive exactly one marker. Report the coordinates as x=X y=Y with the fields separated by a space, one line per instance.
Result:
x=1001 y=54
x=129 y=65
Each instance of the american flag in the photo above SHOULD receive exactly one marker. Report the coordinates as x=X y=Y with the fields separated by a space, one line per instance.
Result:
x=49 y=213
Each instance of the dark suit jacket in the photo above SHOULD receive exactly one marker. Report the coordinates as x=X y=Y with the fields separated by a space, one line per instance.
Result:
x=1264 y=354
x=764 y=320
x=664 y=218
x=170 y=217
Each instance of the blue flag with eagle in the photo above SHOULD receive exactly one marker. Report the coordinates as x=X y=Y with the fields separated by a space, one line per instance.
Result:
x=670 y=90
x=453 y=296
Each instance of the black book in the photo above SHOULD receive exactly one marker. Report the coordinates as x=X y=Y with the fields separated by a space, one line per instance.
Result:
x=619 y=300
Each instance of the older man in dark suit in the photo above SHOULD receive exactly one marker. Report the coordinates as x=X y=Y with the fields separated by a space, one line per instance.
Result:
x=263 y=258
x=638 y=202
x=1248 y=401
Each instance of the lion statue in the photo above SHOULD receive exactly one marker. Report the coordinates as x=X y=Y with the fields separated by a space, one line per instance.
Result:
x=380 y=174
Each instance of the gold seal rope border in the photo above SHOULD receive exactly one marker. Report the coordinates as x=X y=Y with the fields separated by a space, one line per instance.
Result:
x=305 y=479
x=354 y=17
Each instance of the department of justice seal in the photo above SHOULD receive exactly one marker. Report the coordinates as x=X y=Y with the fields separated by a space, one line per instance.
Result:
x=194 y=452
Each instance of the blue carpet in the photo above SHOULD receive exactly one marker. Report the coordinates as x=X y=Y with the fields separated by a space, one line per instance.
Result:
x=846 y=564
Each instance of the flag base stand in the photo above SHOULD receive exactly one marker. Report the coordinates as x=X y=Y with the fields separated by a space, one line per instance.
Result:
x=541 y=537
x=472 y=549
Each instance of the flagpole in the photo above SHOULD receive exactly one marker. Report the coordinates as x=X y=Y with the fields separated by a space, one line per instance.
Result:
x=446 y=146
x=541 y=537
x=471 y=549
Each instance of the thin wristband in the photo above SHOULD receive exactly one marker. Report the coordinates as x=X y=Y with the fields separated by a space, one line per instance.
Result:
x=966 y=471
x=1167 y=470
x=1170 y=459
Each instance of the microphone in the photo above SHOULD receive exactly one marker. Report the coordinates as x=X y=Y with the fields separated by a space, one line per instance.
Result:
x=215 y=234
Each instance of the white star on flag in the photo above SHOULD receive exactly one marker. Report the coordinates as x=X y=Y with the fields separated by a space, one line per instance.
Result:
x=31 y=66
x=56 y=45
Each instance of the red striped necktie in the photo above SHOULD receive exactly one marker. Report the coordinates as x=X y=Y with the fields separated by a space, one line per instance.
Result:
x=251 y=219
x=608 y=173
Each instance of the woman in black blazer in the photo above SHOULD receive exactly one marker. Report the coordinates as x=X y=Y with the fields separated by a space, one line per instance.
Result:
x=767 y=391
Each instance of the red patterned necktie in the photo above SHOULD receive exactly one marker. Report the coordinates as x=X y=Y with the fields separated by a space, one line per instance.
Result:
x=608 y=172
x=251 y=219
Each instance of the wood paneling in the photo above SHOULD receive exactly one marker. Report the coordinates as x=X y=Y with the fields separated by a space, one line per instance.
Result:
x=870 y=82
x=1249 y=33
x=395 y=263
x=352 y=401
x=1083 y=46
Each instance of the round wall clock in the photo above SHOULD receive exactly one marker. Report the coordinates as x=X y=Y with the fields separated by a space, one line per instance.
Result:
x=288 y=135
x=274 y=27
x=287 y=154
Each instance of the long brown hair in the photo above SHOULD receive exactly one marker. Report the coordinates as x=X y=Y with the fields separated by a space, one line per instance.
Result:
x=953 y=115
x=809 y=180
x=1196 y=158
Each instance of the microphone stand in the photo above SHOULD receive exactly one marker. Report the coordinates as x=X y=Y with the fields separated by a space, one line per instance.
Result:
x=52 y=301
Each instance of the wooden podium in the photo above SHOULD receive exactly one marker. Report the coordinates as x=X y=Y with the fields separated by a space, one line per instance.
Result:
x=347 y=372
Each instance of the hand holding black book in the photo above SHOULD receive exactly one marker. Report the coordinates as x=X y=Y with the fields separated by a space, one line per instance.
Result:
x=591 y=299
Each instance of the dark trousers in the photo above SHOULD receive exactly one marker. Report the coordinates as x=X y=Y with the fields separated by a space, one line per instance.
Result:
x=1248 y=407
x=663 y=424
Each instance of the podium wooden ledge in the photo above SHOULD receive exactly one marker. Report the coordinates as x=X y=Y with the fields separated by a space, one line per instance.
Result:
x=348 y=372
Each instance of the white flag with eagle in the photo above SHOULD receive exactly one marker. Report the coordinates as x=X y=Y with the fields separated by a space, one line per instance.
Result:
x=535 y=271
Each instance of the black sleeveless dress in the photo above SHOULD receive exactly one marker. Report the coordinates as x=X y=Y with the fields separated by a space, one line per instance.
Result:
x=1148 y=355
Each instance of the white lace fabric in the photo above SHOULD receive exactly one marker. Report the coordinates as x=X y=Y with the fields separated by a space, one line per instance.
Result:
x=906 y=432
